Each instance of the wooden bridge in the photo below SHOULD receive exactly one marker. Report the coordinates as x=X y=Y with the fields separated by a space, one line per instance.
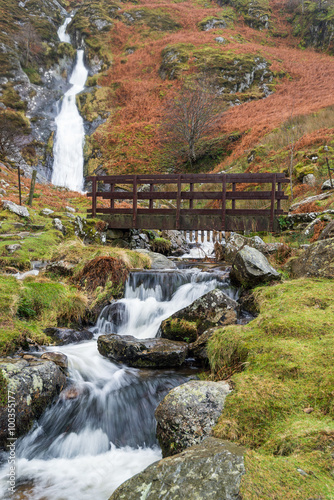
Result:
x=189 y=201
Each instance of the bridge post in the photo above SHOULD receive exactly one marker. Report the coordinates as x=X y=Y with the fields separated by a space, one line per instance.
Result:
x=223 y=203
x=134 y=202
x=272 y=206
x=94 y=197
x=178 y=202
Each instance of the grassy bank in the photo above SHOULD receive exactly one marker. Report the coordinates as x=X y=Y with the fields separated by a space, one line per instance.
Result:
x=282 y=406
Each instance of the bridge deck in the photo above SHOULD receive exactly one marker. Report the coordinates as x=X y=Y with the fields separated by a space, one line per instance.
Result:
x=189 y=201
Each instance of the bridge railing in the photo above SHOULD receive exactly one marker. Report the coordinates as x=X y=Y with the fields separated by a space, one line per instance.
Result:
x=189 y=201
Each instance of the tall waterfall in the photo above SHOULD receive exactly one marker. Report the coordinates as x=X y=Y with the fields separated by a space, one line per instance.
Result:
x=70 y=133
x=101 y=430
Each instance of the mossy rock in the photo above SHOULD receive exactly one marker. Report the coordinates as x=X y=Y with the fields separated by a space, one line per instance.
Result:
x=225 y=19
x=256 y=13
x=156 y=19
x=315 y=25
x=300 y=170
x=174 y=60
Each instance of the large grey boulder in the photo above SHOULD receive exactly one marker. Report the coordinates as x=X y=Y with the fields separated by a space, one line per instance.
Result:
x=211 y=470
x=234 y=242
x=215 y=308
x=16 y=209
x=142 y=353
x=251 y=268
x=33 y=384
x=187 y=414
x=158 y=261
x=317 y=261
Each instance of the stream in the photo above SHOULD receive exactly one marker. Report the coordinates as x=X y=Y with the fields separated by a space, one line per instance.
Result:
x=101 y=430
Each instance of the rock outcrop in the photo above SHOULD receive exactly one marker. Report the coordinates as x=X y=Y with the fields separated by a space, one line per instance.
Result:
x=33 y=384
x=317 y=261
x=187 y=414
x=142 y=353
x=251 y=268
x=215 y=308
x=211 y=470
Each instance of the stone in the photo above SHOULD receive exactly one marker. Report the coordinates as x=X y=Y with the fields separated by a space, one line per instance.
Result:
x=16 y=209
x=58 y=358
x=251 y=268
x=64 y=336
x=47 y=211
x=211 y=470
x=317 y=261
x=234 y=242
x=309 y=179
x=310 y=199
x=13 y=248
x=3 y=191
x=215 y=308
x=220 y=39
x=142 y=353
x=328 y=232
x=34 y=384
x=60 y=268
x=59 y=225
x=198 y=349
x=327 y=185
x=179 y=244
x=158 y=261
x=309 y=230
x=187 y=414
x=70 y=209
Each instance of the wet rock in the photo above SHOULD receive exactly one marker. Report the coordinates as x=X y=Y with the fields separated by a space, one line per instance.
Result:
x=63 y=336
x=158 y=261
x=215 y=308
x=211 y=470
x=58 y=358
x=317 y=261
x=16 y=209
x=142 y=353
x=251 y=268
x=34 y=384
x=115 y=315
x=13 y=248
x=187 y=414
x=179 y=243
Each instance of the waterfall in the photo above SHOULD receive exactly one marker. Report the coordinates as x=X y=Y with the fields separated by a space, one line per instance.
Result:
x=101 y=430
x=70 y=133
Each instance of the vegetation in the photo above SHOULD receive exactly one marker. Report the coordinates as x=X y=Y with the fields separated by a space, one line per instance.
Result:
x=282 y=406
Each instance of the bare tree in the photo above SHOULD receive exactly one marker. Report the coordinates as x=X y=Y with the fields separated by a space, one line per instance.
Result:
x=29 y=42
x=190 y=117
x=292 y=132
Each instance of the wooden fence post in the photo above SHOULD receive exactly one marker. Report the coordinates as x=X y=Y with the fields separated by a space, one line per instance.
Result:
x=32 y=187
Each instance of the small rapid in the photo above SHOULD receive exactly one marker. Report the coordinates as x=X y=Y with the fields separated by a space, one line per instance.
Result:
x=101 y=430
x=70 y=133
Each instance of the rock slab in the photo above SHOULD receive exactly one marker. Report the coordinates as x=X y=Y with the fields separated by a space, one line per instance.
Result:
x=317 y=261
x=211 y=470
x=187 y=414
x=142 y=353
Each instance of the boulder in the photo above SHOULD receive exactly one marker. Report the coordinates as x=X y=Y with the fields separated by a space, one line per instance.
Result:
x=309 y=179
x=327 y=185
x=63 y=336
x=60 y=268
x=59 y=225
x=33 y=384
x=47 y=211
x=211 y=470
x=251 y=268
x=179 y=244
x=234 y=242
x=13 y=248
x=142 y=353
x=16 y=209
x=187 y=414
x=328 y=232
x=215 y=308
x=158 y=261
x=197 y=349
x=317 y=261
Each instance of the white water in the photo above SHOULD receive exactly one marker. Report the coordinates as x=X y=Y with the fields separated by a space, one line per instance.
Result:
x=92 y=440
x=70 y=134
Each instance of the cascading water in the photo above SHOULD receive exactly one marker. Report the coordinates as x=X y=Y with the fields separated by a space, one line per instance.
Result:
x=70 y=134
x=101 y=431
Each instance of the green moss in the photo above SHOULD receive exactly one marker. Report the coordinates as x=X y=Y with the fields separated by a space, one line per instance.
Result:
x=156 y=19
x=175 y=60
x=224 y=19
x=3 y=390
x=256 y=13
x=180 y=329
x=161 y=245
x=281 y=365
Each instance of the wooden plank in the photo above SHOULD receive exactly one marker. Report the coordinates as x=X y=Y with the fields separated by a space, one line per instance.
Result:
x=94 y=197
x=151 y=193
x=272 y=205
x=112 y=201
x=223 y=195
x=191 y=192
